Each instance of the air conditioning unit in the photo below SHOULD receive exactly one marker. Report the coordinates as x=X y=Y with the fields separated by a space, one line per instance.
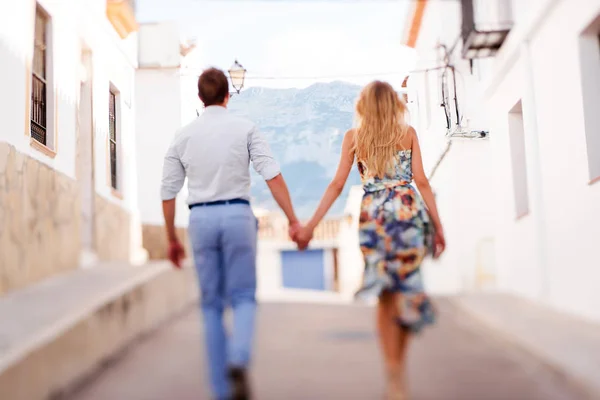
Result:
x=159 y=45
x=485 y=26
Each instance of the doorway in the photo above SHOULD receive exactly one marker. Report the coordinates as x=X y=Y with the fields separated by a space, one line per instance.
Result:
x=303 y=269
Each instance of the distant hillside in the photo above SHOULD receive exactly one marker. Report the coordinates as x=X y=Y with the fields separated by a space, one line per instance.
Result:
x=305 y=128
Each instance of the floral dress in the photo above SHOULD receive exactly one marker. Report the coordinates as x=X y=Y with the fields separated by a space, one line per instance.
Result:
x=396 y=234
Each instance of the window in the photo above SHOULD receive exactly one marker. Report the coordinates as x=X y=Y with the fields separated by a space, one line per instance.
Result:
x=589 y=49
x=112 y=129
x=39 y=80
x=516 y=133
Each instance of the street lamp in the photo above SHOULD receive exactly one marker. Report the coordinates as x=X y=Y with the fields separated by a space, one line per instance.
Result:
x=237 y=74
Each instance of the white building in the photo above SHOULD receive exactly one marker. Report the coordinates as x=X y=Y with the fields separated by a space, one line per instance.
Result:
x=166 y=99
x=69 y=197
x=459 y=165
x=532 y=190
x=68 y=177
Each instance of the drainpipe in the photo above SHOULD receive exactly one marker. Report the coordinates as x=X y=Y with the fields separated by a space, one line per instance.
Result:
x=532 y=148
x=440 y=159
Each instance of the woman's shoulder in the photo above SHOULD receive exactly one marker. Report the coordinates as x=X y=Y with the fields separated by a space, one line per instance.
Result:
x=350 y=135
x=406 y=142
x=411 y=131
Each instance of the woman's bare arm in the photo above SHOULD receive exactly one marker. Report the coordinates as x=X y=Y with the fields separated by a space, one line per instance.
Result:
x=336 y=186
x=422 y=182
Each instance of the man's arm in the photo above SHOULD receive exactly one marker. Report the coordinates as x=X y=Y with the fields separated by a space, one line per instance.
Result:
x=169 y=214
x=264 y=163
x=172 y=182
x=281 y=194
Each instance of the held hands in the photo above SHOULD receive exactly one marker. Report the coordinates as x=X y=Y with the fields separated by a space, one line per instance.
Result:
x=302 y=235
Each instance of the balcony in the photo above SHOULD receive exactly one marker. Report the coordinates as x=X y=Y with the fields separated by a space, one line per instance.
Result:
x=121 y=14
x=485 y=26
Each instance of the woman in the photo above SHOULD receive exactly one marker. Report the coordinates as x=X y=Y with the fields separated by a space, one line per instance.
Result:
x=396 y=229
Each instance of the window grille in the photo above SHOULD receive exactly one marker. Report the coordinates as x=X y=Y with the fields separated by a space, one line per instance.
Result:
x=112 y=127
x=39 y=103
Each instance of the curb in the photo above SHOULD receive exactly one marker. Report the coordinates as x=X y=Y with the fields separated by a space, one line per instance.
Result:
x=496 y=330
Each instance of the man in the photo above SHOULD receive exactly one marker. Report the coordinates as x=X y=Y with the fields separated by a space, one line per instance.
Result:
x=214 y=153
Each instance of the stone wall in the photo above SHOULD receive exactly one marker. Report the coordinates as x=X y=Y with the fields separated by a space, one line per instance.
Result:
x=112 y=225
x=39 y=220
x=155 y=241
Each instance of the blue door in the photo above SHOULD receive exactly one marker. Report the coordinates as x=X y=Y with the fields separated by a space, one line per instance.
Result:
x=303 y=269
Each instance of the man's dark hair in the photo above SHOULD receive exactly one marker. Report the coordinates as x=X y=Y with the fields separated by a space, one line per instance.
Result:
x=213 y=87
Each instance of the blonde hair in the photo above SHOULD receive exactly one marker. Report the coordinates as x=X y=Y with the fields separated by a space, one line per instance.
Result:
x=380 y=126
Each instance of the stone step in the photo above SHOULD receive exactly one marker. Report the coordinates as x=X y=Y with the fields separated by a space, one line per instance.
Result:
x=56 y=333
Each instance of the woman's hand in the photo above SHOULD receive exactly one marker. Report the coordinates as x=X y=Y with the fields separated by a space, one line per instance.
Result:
x=439 y=243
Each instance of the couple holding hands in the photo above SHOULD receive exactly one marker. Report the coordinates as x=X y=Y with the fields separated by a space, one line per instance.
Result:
x=399 y=226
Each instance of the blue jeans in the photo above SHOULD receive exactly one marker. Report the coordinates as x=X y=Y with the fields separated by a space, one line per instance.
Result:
x=223 y=239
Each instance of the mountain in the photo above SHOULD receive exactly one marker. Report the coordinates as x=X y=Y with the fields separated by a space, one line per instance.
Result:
x=305 y=128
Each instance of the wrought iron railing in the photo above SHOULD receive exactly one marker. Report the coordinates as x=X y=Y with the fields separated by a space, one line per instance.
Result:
x=112 y=127
x=38 y=108
x=273 y=228
x=39 y=101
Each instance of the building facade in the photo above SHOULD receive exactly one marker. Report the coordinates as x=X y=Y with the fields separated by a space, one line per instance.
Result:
x=549 y=145
x=530 y=73
x=446 y=109
x=68 y=174
x=166 y=99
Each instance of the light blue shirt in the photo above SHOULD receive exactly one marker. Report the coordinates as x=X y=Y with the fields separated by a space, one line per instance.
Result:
x=215 y=152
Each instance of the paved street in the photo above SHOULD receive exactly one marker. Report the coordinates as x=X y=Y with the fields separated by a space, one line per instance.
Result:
x=308 y=351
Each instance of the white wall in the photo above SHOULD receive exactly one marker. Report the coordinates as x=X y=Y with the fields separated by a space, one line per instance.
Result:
x=518 y=253
x=542 y=65
x=463 y=188
x=163 y=107
x=191 y=69
x=548 y=254
x=350 y=259
x=112 y=71
x=463 y=182
x=75 y=27
x=16 y=52
x=268 y=266
x=158 y=119
x=159 y=45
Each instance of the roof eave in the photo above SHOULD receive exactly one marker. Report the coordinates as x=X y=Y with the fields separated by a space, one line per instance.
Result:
x=414 y=19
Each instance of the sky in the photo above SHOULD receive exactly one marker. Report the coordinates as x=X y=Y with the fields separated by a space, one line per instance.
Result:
x=306 y=40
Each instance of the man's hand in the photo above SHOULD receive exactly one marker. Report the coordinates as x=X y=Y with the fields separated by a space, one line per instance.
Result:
x=293 y=228
x=176 y=253
x=280 y=193
x=303 y=237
